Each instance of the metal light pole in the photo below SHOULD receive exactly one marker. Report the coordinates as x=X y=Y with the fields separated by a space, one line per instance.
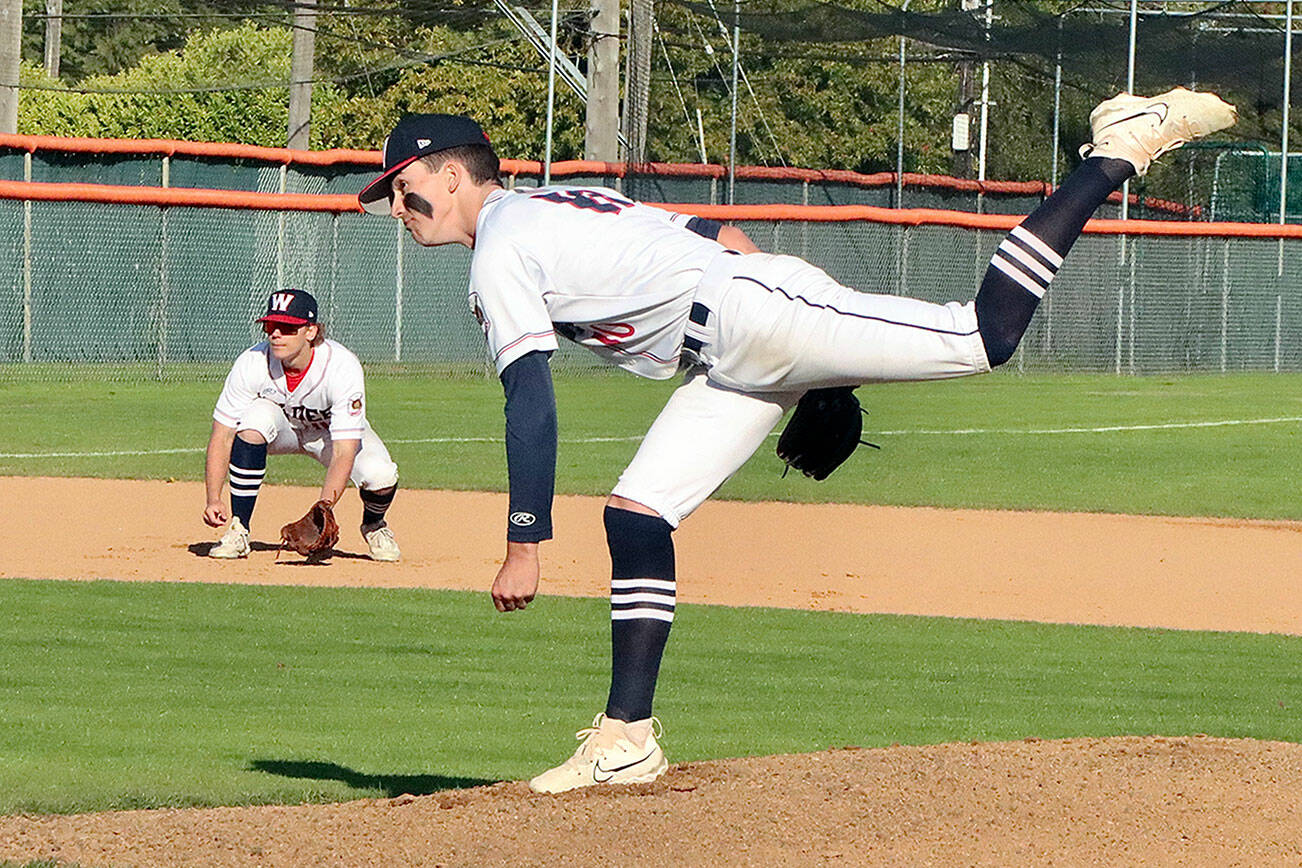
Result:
x=1057 y=106
x=899 y=139
x=1130 y=88
x=732 y=136
x=1288 y=89
x=985 y=95
x=551 y=97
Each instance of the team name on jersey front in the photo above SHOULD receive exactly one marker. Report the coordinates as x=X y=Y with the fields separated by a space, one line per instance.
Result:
x=331 y=397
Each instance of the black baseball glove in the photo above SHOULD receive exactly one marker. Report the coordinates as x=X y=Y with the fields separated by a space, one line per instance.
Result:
x=822 y=432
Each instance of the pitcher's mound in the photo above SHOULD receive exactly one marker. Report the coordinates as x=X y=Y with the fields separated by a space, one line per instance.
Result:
x=1190 y=801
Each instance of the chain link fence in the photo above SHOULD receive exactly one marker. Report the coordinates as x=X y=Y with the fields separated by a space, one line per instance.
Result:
x=122 y=291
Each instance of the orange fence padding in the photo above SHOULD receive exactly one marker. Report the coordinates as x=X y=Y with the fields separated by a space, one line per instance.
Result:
x=968 y=220
x=560 y=169
x=343 y=203
x=171 y=148
x=165 y=196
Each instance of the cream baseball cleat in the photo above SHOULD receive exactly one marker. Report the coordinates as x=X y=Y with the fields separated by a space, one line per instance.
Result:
x=612 y=752
x=383 y=546
x=1140 y=129
x=233 y=544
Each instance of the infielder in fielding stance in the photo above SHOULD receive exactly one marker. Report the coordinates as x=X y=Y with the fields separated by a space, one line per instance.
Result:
x=297 y=391
x=649 y=291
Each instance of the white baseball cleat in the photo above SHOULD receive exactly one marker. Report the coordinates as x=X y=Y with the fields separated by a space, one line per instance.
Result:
x=612 y=752
x=233 y=544
x=1140 y=129
x=383 y=546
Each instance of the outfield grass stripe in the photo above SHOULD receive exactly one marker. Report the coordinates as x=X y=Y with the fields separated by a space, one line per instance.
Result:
x=192 y=449
x=499 y=440
x=102 y=454
x=1100 y=429
x=952 y=432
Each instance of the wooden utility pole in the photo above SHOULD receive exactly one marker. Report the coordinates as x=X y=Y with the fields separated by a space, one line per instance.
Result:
x=11 y=44
x=53 y=36
x=602 y=131
x=301 y=72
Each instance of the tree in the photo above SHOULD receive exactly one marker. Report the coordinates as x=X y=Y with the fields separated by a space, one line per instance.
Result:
x=222 y=85
x=104 y=37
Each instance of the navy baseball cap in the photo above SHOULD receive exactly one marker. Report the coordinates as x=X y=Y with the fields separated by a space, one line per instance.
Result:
x=416 y=136
x=291 y=307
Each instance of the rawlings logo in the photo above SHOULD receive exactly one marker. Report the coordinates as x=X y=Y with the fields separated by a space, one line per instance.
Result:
x=523 y=519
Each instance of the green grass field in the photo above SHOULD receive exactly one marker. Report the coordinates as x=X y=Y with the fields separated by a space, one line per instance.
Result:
x=134 y=695
x=963 y=443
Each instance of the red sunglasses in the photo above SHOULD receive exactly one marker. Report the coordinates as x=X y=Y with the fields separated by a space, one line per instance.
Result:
x=284 y=328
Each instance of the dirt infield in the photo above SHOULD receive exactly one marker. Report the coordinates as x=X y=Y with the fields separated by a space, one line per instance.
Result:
x=1200 y=574
x=1189 y=801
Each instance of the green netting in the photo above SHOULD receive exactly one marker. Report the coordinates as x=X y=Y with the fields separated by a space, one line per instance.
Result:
x=1235 y=43
x=1246 y=186
x=153 y=289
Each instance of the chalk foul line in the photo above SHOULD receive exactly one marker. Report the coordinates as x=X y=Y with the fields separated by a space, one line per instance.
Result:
x=951 y=432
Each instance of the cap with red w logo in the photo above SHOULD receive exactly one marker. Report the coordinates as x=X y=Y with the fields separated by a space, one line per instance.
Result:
x=291 y=307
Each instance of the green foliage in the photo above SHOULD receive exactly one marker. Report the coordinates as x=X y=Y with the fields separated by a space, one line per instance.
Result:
x=806 y=110
x=505 y=88
x=813 y=104
x=103 y=37
x=184 y=94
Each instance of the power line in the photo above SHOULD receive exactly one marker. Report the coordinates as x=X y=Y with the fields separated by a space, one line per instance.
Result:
x=423 y=59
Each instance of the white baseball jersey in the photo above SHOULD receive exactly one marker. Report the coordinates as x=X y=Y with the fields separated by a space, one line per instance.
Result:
x=331 y=398
x=613 y=275
x=635 y=285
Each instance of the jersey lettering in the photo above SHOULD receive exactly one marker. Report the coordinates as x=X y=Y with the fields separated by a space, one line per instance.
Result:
x=589 y=200
x=612 y=334
x=308 y=416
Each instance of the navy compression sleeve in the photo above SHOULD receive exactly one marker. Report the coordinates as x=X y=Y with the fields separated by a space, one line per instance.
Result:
x=708 y=228
x=530 y=447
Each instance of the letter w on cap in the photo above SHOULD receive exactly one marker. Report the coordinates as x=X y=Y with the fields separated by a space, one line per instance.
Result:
x=280 y=301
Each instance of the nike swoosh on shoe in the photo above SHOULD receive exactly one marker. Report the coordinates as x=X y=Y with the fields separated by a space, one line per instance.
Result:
x=610 y=773
x=1152 y=110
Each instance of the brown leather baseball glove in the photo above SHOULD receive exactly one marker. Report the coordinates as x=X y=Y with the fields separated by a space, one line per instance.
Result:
x=315 y=532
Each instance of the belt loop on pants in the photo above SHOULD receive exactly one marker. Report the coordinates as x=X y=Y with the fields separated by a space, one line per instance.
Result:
x=715 y=279
x=697 y=334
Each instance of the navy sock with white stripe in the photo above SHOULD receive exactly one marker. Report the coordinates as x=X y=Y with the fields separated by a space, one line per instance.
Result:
x=374 y=505
x=1030 y=255
x=642 y=596
x=248 y=466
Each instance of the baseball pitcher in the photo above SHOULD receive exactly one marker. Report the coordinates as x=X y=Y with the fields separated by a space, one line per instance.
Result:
x=757 y=334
